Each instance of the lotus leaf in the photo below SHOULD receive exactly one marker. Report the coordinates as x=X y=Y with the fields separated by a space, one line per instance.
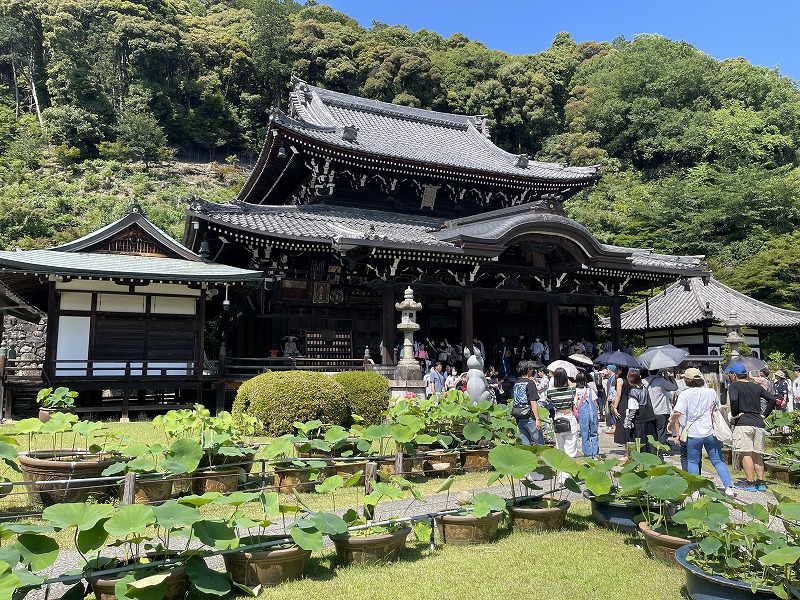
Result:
x=37 y=551
x=485 y=503
x=130 y=520
x=215 y=534
x=205 y=580
x=76 y=514
x=92 y=540
x=172 y=514
x=512 y=460
x=780 y=557
x=474 y=431
x=559 y=461
x=666 y=487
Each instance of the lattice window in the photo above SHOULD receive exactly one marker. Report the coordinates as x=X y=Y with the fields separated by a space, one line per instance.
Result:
x=133 y=244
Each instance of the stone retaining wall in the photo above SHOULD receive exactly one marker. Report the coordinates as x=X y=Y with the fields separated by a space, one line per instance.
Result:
x=28 y=339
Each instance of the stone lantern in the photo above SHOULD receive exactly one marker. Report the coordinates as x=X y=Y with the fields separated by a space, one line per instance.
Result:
x=408 y=367
x=734 y=336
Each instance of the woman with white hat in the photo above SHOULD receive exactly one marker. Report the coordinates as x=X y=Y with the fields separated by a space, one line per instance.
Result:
x=697 y=404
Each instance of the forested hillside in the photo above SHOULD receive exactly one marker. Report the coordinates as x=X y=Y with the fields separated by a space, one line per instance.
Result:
x=97 y=96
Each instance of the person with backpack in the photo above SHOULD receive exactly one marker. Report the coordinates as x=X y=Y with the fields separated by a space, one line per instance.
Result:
x=639 y=416
x=526 y=406
x=586 y=413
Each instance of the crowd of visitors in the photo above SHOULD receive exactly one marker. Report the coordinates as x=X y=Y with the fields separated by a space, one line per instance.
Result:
x=638 y=406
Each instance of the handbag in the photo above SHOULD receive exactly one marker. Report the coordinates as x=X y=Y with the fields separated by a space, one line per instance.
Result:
x=520 y=413
x=722 y=431
x=561 y=425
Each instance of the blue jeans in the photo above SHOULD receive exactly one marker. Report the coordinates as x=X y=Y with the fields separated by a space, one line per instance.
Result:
x=694 y=452
x=528 y=433
x=587 y=418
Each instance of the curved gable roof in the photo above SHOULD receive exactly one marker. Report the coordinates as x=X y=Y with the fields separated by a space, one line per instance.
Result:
x=693 y=302
x=411 y=134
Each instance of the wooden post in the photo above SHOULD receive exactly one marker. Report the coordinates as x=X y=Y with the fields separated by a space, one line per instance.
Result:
x=398 y=462
x=467 y=324
x=616 y=325
x=126 y=400
x=129 y=489
x=387 y=325
x=370 y=475
x=554 y=336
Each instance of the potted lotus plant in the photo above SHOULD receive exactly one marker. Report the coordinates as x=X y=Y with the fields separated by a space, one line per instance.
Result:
x=80 y=450
x=156 y=467
x=534 y=512
x=477 y=520
x=291 y=472
x=616 y=498
x=223 y=441
x=784 y=463
x=60 y=399
x=742 y=558
x=370 y=539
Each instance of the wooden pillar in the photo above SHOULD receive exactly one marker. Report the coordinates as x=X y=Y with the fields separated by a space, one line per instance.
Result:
x=126 y=396
x=554 y=336
x=616 y=325
x=388 y=328
x=467 y=324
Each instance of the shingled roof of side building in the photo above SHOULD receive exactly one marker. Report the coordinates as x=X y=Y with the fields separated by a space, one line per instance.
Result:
x=691 y=301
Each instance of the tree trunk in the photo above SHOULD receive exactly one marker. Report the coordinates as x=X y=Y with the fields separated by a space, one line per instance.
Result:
x=16 y=87
x=33 y=91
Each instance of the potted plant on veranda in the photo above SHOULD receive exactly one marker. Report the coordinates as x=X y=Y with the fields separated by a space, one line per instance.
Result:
x=60 y=399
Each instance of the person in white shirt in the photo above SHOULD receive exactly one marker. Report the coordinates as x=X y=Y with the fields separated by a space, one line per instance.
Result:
x=537 y=349
x=796 y=386
x=696 y=404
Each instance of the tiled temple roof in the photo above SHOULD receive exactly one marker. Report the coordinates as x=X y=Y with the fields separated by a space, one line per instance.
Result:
x=692 y=302
x=381 y=129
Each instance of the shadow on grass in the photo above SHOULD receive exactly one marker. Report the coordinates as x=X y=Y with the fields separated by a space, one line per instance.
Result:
x=575 y=522
x=325 y=567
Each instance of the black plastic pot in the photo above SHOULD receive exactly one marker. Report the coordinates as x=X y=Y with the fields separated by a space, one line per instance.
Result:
x=706 y=586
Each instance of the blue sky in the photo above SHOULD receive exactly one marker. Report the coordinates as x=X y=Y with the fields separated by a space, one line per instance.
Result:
x=764 y=31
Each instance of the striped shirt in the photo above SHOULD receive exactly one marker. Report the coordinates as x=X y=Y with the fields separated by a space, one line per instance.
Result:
x=562 y=398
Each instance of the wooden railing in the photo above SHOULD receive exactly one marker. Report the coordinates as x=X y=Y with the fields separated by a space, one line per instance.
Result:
x=245 y=368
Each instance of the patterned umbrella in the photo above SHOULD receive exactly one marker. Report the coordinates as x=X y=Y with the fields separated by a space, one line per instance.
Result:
x=618 y=358
x=581 y=359
x=662 y=357
x=571 y=369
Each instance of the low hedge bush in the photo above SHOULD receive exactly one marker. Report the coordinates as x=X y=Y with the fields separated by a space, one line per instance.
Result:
x=279 y=398
x=367 y=394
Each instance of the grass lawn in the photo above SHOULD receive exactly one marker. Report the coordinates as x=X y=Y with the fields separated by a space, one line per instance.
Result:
x=580 y=562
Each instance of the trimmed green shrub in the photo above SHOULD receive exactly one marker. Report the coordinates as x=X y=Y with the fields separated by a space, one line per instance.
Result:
x=367 y=394
x=279 y=398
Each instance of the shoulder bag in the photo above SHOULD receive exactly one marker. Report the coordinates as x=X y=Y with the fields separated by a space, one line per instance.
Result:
x=722 y=431
x=520 y=413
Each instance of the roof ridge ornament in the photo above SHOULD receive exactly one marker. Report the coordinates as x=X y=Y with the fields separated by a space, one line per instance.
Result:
x=482 y=125
x=349 y=133
x=522 y=161
x=135 y=208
